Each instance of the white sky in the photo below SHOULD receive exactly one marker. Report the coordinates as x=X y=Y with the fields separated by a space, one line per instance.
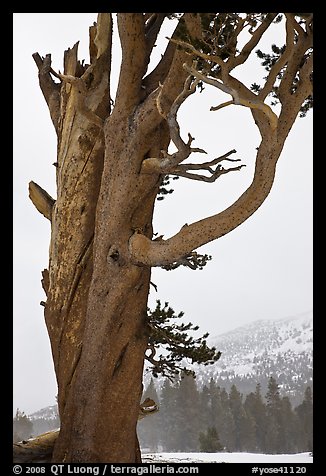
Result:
x=263 y=269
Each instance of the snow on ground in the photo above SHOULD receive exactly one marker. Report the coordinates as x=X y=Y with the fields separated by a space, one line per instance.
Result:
x=225 y=458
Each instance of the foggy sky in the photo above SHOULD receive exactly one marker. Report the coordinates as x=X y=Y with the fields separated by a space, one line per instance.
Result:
x=261 y=270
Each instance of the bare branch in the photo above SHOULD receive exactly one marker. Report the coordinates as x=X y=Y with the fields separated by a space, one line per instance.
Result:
x=273 y=131
x=184 y=150
x=171 y=164
x=209 y=57
x=215 y=174
x=169 y=161
x=277 y=67
x=207 y=165
x=235 y=61
x=182 y=170
x=50 y=89
x=220 y=106
x=253 y=103
x=170 y=73
x=163 y=252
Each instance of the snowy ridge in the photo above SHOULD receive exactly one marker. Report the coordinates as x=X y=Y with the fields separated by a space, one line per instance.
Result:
x=47 y=413
x=254 y=352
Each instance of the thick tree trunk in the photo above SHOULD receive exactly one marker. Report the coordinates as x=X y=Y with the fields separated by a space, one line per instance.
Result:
x=96 y=307
x=95 y=426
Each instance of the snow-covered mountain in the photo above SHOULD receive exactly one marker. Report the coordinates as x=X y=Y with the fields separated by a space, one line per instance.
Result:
x=254 y=352
x=47 y=413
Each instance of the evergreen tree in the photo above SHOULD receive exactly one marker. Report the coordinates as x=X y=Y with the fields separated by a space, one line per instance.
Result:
x=244 y=424
x=305 y=415
x=209 y=442
x=189 y=414
x=169 y=416
x=22 y=427
x=210 y=405
x=273 y=408
x=225 y=422
x=215 y=403
x=255 y=406
x=288 y=436
x=205 y=408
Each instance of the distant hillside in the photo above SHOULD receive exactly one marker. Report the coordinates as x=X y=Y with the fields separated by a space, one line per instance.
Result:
x=253 y=352
x=48 y=413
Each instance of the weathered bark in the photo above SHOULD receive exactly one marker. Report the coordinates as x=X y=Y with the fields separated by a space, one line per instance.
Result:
x=101 y=249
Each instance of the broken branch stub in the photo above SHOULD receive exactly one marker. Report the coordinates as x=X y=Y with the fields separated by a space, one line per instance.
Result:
x=42 y=201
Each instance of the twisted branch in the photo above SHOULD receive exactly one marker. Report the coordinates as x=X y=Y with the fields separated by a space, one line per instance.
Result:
x=182 y=170
x=254 y=102
x=171 y=164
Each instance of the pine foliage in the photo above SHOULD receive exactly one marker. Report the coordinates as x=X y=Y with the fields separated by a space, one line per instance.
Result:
x=175 y=343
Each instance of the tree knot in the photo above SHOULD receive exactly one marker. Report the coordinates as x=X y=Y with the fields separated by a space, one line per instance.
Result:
x=113 y=254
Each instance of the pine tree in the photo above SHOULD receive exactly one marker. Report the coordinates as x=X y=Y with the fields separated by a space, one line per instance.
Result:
x=225 y=422
x=169 y=416
x=273 y=408
x=205 y=408
x=244 y=424
x=188 y=414
x=209 y=442
x=288 y=428
x=215 y=403
x=255 y=406
x=305 y=415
